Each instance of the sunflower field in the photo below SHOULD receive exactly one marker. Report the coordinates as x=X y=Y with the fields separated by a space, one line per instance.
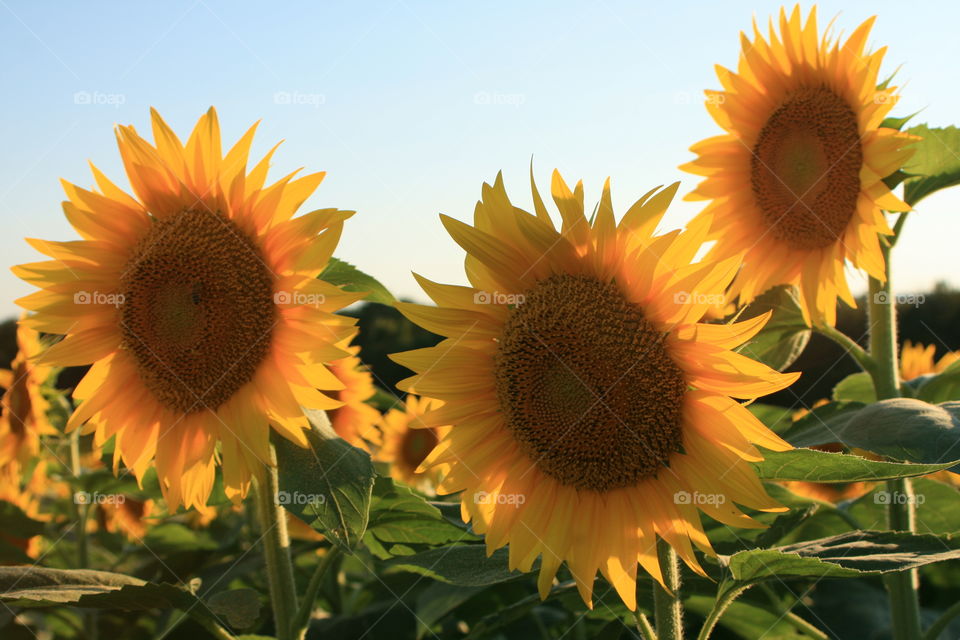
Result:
x=212 y=425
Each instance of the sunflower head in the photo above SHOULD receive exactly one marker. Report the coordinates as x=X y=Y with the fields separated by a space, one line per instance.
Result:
x=404 y=441
x=354 y=420
x=590 y=410
x=795 y=183
x=23 y=409
x=196 y=300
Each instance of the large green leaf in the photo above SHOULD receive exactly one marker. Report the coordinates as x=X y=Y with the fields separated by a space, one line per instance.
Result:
x=856 y=387
x=397 y=514
x=907 y=429
x=784 y=337
x=328 y=484
x=943 y=387
x=936 y=162
x=352 y=279
x=822 y=425
x=821 y=466
x=847 y=555
x=464 y=565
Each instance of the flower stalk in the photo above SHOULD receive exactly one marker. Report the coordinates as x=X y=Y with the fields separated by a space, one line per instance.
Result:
x=667 y=606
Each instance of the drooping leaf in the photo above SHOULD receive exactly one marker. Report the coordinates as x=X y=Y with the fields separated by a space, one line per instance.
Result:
x=327 y=485
x=784 y=337
x=349 y=277
x=821 y=466
x=397 y=514
x=936 y=159
x=847 y=555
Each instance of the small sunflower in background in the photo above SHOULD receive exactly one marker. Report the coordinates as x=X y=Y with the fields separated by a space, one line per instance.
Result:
x=917 y=360
x=405 y=442
x=196 y=300
x=354 y=421
x=795 y=183
x=128 y=516
x=23 y=409
x=590 y=411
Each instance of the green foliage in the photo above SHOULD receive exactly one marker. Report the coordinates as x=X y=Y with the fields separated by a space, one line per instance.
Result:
x=935 y=162
x=784 y=336
x=822 y=466
x=329 y=484
x=351 y=278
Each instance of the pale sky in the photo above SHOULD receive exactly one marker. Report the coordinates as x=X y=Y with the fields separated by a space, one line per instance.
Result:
x=410 y=106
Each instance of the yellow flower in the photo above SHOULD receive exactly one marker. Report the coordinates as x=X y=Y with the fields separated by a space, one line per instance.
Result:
x=128 y=516
x=917 y=360
x=590 y=411
x=355 y=420
x=23 y=409
x=198 y=304
x=796 y=183
x=405 y=441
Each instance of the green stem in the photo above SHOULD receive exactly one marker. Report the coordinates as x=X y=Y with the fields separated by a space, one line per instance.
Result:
x=933 y=633
x=667 y=606
x=302 y=619
x=644 y=627
x=857 y=352
x=719 y=607
x=276 y=552
x=81 y=512
x=901 y=586
x=791 y=617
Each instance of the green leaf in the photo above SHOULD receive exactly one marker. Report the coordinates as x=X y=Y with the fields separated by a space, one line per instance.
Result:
x=941 y=387
x=857 y=387
x=239 y=607
x=822 y=425
x=821 y=466
x=437 y=600
x=748 y=620
x=350 y=278
x=397 y=514
x=777 y=419
x=784 y=337
x=936 y=158
x=850 y=554
x=464 y=565
x=907 y=429
x=328 y=484
x=40 y=587
x=514 y=611
x=173 y=537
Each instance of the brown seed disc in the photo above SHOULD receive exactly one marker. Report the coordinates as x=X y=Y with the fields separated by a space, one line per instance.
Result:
x=417 y=444
x=197 y=311
x=805 y=169
x=586 y=385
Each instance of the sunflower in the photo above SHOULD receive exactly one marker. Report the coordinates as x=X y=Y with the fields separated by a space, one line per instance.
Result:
x=198 y=305
x=796 y=183
x=405 y=441
x=590 y=411
x=355 y=420
x=129 y=516
x=23 y=409
x=917 y=360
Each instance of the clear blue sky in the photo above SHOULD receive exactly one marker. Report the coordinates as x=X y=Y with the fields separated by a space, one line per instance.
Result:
x=410 y=106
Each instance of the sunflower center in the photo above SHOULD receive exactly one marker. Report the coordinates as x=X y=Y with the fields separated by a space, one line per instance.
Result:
x=805 y=169
x=197 y=310
x=586 y=386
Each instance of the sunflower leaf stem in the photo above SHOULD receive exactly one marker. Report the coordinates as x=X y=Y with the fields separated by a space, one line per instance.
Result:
x=276 y=551
x=302 y=619
x=858 y=353
x=81 y=512
x=667 y=605
x=901 y=586
x=897 y=228
x=724 y=600
x=790 y=616
x=644 y=627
